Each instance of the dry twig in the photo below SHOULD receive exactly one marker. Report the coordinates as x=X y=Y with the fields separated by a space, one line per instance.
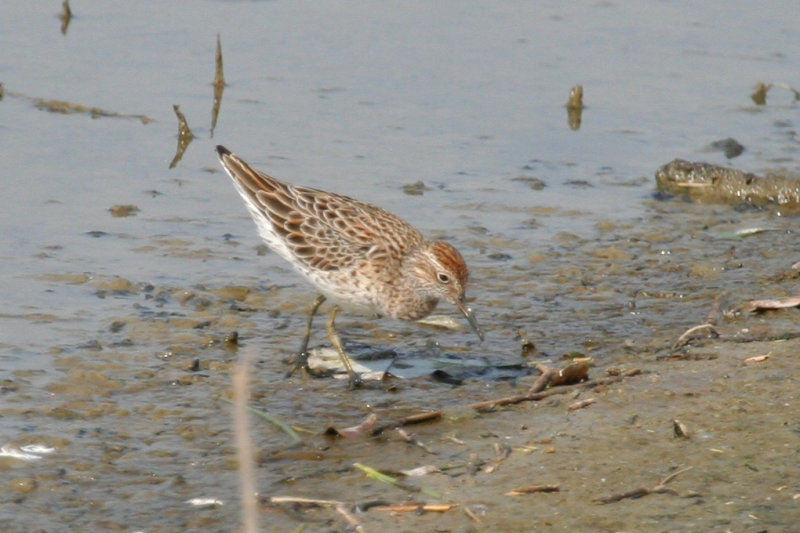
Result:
x=581 y=404
x=533 y=489
x=758 y=358
x=416 y=507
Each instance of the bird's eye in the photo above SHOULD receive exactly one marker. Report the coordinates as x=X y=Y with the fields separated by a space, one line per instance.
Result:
x=444 y=278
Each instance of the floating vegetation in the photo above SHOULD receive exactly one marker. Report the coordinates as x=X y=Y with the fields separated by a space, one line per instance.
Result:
x=68 y=108
x=759 y=95
x=123 y=210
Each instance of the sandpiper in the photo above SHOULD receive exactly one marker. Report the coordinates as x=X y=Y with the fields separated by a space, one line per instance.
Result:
x=355 y=253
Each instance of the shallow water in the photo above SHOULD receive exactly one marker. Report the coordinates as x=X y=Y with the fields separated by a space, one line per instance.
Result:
x=112 y=333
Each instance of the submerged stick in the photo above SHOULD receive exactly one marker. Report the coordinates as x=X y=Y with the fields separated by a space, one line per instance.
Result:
x=642 y=491
x=425 y=416
x=684 y=338
x=379 y=505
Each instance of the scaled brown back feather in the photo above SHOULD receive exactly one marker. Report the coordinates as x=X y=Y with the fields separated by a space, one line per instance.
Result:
x=310 y=220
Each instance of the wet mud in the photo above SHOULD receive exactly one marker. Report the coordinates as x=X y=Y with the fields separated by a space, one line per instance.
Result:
x=138 y=418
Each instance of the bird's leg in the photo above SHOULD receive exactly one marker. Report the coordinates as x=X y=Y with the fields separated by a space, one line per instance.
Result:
x=301 y=358
x=355 y=379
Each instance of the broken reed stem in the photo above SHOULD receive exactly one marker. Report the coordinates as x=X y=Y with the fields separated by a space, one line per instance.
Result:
x=534 y=396
x=385 y=478
x=244 y=446
x=299 y=499
x=533 y=489
x=219 y=76
x=219 y=87
x=272 y=419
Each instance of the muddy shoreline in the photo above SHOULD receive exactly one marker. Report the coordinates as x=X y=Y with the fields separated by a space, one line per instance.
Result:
x=168 y=364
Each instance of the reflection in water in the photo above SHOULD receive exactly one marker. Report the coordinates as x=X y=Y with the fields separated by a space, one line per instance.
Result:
x=759 y=96
x=185 y=136
x=65 y=16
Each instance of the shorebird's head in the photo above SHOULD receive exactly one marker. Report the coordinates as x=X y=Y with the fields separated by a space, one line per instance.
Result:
x=444 y=274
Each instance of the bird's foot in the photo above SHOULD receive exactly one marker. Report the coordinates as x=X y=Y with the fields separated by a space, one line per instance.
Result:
x=354 y=380
x=299 y=361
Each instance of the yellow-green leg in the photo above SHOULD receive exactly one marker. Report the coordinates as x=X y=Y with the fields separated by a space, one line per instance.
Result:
x=355 y=379
x=301 y=358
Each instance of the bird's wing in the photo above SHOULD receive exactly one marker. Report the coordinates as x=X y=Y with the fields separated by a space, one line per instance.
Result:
x=329 y=231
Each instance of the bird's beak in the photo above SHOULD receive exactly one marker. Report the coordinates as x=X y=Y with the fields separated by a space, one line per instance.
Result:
x=467 y=312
